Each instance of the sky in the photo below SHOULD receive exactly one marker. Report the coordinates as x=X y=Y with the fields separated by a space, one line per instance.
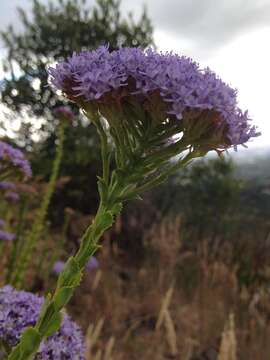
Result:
x=229 y=36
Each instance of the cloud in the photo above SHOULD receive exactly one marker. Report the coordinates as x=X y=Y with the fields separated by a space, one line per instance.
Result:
x=205 y=22
x=209 y=23
x=8 y=13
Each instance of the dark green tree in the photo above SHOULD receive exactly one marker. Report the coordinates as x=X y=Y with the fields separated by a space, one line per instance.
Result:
x=207 y=194
x=53 y=32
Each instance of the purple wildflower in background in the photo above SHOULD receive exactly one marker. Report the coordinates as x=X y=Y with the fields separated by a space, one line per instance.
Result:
x=91 y=265
x=2 y=222
x=6 y=236
x=10 y=155
x=7 y=185
x=166 y=85
x=58 y=267
x=12 y=196
x=63 y=112
x=19 y=309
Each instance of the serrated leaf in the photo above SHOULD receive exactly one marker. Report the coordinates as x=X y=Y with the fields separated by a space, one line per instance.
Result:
x=62 y=297
x=53 y=325
x=71 y=274
x=133 y=196
x=44 y=308
x=116 y=209
x=30 y=342
x=106 y=220
x=102 y=189
x=48 y=315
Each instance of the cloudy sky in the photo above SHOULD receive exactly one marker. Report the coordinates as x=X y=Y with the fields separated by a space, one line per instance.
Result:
x=232 y=37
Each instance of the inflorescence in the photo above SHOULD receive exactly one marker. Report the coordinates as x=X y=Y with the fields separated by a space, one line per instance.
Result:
x=11 y=158
x=169 y=86
x=19 y=309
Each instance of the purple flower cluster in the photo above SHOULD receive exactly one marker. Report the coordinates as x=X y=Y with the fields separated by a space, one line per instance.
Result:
x=19 y=309
x=14 y=156
x=93 y=76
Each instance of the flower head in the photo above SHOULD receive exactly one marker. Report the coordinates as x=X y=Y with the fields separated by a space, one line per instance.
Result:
x=169 y=88
x=14 y=159
x=19 y=309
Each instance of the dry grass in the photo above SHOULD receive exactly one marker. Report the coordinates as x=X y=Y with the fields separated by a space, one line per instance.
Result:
x=177 y=304
x=228 y=346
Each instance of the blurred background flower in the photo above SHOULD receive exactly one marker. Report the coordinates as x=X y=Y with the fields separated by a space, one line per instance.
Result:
x=19 y=309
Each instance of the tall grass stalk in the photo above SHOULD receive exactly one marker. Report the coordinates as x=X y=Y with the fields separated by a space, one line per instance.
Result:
x=17 y=277
x=18 y=242
x=228 y=347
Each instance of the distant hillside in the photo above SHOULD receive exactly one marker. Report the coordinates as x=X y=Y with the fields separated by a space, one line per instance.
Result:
x=253 y=164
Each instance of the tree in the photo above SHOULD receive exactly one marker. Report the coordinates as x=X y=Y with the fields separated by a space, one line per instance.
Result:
x=207 y=195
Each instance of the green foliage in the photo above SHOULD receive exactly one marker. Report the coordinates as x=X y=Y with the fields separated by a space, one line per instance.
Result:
x=207 y=194
x=212 y=190
x=28 y=345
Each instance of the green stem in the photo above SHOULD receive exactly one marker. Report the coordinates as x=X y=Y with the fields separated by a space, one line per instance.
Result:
x=31 y=242
x=17 y=242
x=105 y=151
x=50 y=317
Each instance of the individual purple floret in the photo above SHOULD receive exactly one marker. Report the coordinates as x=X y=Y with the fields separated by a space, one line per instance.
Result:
x=14 y=157
x=6 y=236
x=19 y=309
x=63 y=112
x=160 y=83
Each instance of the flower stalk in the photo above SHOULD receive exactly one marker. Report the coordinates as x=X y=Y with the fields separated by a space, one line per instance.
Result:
x=18 y=242
x=17 y=276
